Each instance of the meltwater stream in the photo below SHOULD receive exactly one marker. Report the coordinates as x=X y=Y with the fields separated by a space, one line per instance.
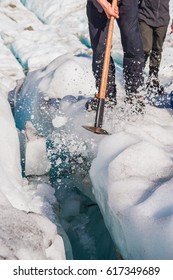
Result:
x=70 y=151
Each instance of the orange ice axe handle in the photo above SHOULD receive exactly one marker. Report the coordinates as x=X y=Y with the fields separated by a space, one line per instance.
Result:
x=102 y=94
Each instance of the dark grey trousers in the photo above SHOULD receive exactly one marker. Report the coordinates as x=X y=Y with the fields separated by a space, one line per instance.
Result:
x=153 y=39
x=133 y=61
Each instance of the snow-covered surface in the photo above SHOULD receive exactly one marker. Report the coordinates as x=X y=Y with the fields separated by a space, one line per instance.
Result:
x=132 y=173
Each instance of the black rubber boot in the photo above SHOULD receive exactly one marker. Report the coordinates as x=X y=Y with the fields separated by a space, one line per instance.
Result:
x=136 y=103
x=153 y=86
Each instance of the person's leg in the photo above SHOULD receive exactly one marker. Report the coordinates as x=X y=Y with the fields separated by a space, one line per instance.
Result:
x=98 y=29
x=147 y=39
x=159 y=34
x=132 y=45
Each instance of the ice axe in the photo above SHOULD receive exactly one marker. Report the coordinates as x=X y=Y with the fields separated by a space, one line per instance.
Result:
x=97 y=128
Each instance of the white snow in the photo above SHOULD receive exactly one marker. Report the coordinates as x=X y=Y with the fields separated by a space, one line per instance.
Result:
x=132 y=172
